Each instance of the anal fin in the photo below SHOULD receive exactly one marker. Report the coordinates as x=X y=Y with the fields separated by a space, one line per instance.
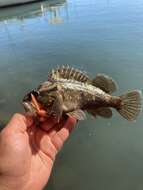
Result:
x=102 y=112
x=78 y=114
x=92 y=112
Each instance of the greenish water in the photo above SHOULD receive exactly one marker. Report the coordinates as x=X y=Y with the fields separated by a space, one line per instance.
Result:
x=98 y=36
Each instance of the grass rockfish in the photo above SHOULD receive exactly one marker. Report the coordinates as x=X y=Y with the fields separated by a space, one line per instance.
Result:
x=71 y=92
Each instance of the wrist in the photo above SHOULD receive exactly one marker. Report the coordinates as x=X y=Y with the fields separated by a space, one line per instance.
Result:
x=6 y=183
x=7 y=187
x=12 y=186
x=4 y=187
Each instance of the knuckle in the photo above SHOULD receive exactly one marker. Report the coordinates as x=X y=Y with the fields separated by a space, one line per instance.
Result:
x=57 y=142
x=17 y=115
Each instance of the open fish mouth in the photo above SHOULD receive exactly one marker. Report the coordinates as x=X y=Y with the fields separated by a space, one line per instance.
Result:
x=27 y=103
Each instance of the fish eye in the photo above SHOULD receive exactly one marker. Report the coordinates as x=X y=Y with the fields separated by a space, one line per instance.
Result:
x=27 y=97
x=34 y=92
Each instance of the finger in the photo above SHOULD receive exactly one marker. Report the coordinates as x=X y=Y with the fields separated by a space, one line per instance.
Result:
x=48 y=124
x=20 y=122
x=67 y=128
x=42 y=119
x=61 y=136
x=56 y=128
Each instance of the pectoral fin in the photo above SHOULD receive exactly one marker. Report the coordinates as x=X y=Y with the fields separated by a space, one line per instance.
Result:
x=57 y=109
x=78 y=114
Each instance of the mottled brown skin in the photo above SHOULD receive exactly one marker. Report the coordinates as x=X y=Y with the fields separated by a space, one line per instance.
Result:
x=74 y=99
x=68 y=91
x=93 y=102
x=110 y=101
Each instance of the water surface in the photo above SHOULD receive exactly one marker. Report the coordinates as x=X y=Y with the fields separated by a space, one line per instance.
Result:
x=103 y=36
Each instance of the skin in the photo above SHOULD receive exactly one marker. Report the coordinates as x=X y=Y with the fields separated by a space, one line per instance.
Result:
x=27 y=152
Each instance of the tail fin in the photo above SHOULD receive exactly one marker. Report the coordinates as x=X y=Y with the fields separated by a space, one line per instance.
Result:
x=131 y=105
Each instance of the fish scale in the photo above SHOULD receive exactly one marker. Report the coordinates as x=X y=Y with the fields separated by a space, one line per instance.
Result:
x=79 y=86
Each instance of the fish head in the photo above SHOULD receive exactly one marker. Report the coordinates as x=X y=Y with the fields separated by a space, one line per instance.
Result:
x=44 y=96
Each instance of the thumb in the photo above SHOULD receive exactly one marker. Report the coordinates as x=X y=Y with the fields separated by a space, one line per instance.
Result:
x=20 y=122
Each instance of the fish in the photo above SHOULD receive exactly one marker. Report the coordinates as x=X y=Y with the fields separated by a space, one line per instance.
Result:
x=71 y=92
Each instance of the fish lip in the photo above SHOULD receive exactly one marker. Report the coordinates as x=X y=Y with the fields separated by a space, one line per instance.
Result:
x=26 y=106
x=29 y=108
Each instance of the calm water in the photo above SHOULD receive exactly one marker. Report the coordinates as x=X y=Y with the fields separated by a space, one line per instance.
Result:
x=103 y=36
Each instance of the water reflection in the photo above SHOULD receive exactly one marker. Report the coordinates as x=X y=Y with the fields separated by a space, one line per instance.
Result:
x=17 y=26
x=48 y=11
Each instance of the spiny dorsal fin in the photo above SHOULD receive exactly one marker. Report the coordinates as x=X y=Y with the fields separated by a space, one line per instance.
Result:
x=67 y=72
x=105 y=83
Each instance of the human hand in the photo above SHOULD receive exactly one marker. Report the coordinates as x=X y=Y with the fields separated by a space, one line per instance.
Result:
x=27 y=152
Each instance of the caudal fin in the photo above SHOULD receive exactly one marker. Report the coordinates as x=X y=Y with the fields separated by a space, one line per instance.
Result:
x=131 y=105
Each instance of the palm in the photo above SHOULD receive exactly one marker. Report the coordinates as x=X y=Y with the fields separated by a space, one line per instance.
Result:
x=30 y=151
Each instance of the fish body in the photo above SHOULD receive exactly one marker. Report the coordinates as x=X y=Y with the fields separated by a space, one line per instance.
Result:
x=77 y=95
x=72 y=92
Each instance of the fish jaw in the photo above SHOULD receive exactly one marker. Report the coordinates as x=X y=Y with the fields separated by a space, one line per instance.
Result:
x=30 y=110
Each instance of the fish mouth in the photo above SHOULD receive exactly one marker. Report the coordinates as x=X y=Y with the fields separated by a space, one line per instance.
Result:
x=27 y=97
x=30 y=110
x=27 y=103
